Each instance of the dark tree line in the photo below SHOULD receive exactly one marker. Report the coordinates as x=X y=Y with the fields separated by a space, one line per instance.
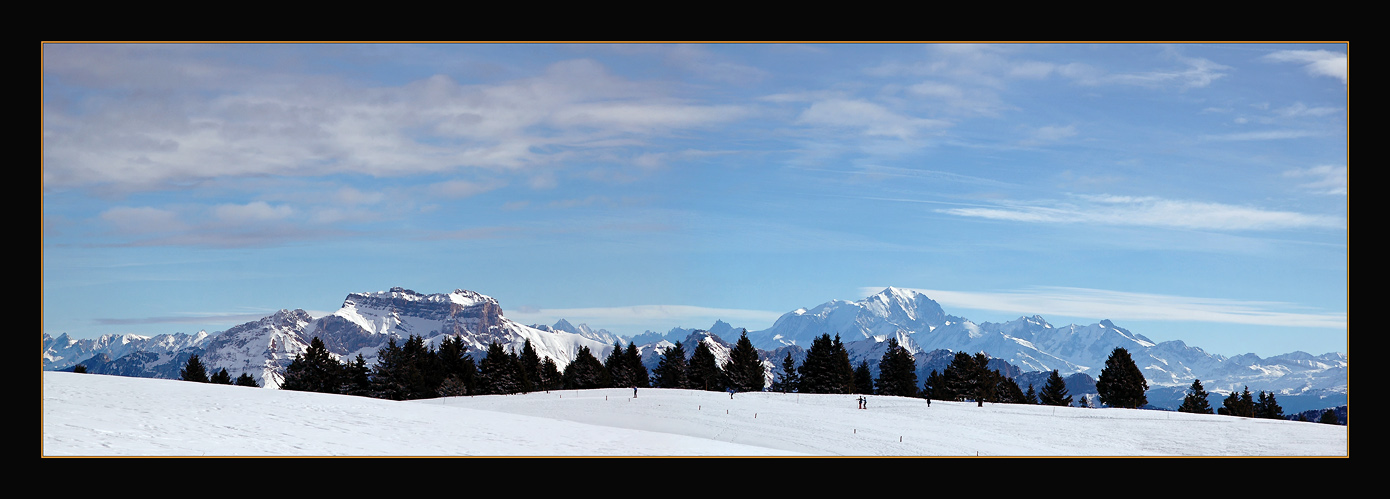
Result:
x=742 y=372
x=1245 y=405
x=195 y=371
x=414 y=370
x=968 y=377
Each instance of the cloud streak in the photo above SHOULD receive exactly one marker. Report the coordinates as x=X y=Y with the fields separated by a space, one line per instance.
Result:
x=1151 y=212
x=1315 y=62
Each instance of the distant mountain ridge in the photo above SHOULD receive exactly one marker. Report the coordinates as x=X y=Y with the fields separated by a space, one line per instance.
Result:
x=367 y=321
x=1035 y=345
x=363 y=325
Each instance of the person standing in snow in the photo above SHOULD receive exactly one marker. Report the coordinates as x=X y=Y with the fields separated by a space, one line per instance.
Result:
x=634 y=391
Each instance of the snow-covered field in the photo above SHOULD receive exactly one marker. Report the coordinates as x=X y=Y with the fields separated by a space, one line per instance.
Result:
x=94 y=415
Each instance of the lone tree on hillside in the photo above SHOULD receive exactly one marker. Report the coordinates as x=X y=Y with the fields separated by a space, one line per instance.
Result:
x=1055 y=391
x=194 y=371
x=1121 y=383
x=1196 y=400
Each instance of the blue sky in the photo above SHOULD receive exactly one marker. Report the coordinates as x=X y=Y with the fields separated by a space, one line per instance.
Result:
x=1184 y=191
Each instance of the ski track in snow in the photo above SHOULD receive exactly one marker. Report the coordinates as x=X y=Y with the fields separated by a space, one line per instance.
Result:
x=94 y=415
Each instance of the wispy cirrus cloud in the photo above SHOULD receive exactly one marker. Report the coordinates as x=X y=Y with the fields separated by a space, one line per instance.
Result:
x=1326 y=179
x=1315 y=62
x=1150 y=212
x=1123 y=305
x=873 y=119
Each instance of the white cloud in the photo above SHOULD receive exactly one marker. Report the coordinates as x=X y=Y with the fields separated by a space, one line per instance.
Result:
x=253 y=212
x=263 y=122
x=142 y=220
x=873 y=119
x=1048 y=134
x=1151 y=212
x=1327 y=179
x=463 y=188
x=1315 y=62
x=1117 y=305
x=1262 y=135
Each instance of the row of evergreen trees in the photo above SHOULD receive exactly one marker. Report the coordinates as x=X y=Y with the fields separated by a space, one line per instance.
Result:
x=195 y=371
x=1237 y=404
x=743 y=372
x=414 y=370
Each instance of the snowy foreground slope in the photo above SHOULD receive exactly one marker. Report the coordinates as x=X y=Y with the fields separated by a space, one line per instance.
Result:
x=93 y=415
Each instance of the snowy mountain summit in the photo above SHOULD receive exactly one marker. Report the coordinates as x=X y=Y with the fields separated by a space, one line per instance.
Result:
x=881 y=315
x=1032 y=344
x=362 y=326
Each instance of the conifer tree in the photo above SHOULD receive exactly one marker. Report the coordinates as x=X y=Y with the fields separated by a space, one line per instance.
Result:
x=550 y=377
x=1121 y=383
x=1196 y=400
x=80 y=369
x=787 y=380
x=1008 y=392
x=426 y=373
x=529 y=362
x=618 y=369
x=1238 y=404
x=315 y=370
x=826 y=368
x=246 y=380
x=960 y=380
x=391 y=373
x=498 y=372
x=459 y=370
x=221 y=378
x=986 y=380
x=744 y=370
x=863 y=379
x=1267 y=407
x=897 y=371
x=585 y=372
x=842 y=366
x=1030 y=396
x=1083 y=402
x=1055 y=391
x=194 y=370
x=634 y=365
x=670 y=372
x=1329 y=417
x=934 y=387
x=704 y=371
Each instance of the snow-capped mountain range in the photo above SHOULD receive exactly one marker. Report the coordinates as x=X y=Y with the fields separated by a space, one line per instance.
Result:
x=367 y=321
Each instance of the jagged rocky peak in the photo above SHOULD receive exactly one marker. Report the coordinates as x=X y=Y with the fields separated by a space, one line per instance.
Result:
x=438 y=306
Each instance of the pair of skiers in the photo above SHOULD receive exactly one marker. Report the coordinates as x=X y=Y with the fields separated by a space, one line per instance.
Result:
x=863 y=403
